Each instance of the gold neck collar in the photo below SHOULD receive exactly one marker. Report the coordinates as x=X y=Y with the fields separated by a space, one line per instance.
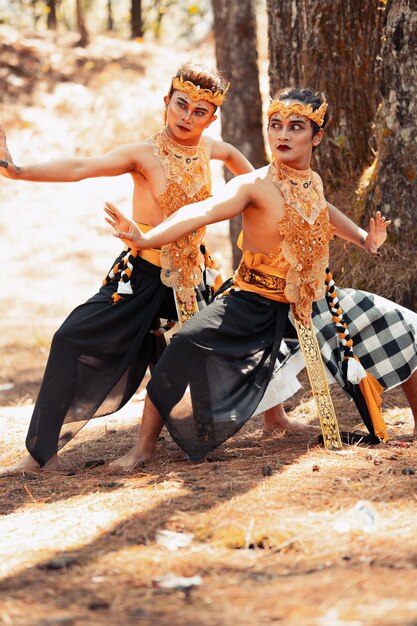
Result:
x=284 y=171
x=178 y=147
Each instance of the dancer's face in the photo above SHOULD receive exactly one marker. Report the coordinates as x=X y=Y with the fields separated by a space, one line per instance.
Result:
x=186 y=120
x=291 y=139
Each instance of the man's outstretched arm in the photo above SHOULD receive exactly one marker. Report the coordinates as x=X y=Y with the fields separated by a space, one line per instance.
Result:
x=117 y=161
x=232 y=200
x=369 y=240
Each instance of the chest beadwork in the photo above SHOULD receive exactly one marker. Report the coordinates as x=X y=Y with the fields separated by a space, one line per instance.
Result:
x=188 y=180
x=306 y=233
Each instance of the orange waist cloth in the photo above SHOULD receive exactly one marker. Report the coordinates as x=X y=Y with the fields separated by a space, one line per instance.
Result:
x=152 y=255
x=255 y=274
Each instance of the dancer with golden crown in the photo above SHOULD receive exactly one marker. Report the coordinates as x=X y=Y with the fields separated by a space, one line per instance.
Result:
x=226 y=354
x=101 y=352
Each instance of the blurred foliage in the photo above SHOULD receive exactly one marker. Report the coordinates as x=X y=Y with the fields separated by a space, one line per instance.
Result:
x=167 y=20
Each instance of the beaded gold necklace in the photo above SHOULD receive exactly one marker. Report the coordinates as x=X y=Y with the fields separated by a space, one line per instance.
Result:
x=186 y=165
x=187 y=169
x=306 y=232
x=301 y=189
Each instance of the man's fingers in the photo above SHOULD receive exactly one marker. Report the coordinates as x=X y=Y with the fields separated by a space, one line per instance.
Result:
x=123 y=235
x=113 y=209
x=111 y=222
x=111 y=214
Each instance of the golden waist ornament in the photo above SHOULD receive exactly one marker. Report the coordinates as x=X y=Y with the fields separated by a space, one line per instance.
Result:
x=256 y=274
x=256 y=277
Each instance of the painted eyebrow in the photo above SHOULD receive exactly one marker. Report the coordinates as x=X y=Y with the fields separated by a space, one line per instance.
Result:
x=276 y=119
x=199 y=108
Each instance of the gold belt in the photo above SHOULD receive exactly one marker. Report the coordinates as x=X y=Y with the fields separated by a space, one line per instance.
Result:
x=152 y=255
x=255 y=277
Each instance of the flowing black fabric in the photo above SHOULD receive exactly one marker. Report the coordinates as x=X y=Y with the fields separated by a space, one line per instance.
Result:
x=226 y=356
x=98 y=359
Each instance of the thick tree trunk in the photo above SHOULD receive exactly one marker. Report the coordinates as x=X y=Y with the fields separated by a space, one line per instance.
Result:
x=136 y=19
x=331 y=46
x=82 y=28
x=390 y=184
x=241 y=113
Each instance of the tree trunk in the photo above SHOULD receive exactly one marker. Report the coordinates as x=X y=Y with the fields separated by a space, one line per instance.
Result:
x=136 y=19
x=390 y=184
x=110 y=23
x=82 y=29
x=331 y=46
x=241 y=113
x=51 y=17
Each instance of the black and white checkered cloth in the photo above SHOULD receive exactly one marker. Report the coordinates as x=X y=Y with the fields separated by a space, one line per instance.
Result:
x=384 y=336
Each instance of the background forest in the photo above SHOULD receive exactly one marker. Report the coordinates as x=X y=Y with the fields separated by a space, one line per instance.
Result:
x=362 y=55
x=279 y=531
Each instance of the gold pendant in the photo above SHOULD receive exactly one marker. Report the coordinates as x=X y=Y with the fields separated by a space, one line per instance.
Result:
x=319 y=385
x=184 y=313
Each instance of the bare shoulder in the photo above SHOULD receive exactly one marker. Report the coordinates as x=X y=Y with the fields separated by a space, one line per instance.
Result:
x=255 y=178
x=260 y=176
x=139 y=148
x=249 y=187
x=215 y=147
x=140 y=153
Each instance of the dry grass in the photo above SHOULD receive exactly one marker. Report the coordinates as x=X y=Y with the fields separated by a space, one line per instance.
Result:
x=81 y=545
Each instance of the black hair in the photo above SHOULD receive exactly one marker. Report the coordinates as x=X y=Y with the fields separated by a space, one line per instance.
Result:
x=306 y=96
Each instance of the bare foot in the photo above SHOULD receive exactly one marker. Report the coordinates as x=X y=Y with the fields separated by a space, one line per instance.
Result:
x=28 y=464
x=415 y=431
x=276 y=421
x=136 y=457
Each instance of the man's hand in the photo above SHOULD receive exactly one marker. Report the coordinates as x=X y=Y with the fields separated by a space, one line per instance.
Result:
x=377 y=234
x=7 y=168
x=125 y=229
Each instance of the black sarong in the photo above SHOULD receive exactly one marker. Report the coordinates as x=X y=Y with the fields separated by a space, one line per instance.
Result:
x=226 y=355
x=98 y=359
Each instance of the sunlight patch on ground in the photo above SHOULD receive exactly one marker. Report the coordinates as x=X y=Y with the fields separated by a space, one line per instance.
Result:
x=38 y=530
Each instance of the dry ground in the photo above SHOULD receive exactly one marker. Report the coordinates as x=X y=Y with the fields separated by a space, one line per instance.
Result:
x=273 y=535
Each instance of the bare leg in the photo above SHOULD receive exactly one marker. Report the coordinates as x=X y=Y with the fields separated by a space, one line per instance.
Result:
x=277 y=421
x=145 y=448
x=410 y=390
x=28 y=464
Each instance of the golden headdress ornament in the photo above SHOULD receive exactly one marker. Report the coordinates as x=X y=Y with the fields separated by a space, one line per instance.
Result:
x=317 y=116
x=197 y=93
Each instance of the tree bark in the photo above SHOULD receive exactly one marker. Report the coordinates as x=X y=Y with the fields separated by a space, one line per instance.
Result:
x=82 y=28
x=136 y=19
x=51 y=19
x=241 y=113
x=331 y=46
x=390 y=184
x=110 y=23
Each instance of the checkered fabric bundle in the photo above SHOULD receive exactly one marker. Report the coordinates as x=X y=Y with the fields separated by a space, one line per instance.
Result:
x=384 y=336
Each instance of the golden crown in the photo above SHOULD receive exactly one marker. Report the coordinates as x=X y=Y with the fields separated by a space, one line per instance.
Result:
x=317 y=116
x=197 y=93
